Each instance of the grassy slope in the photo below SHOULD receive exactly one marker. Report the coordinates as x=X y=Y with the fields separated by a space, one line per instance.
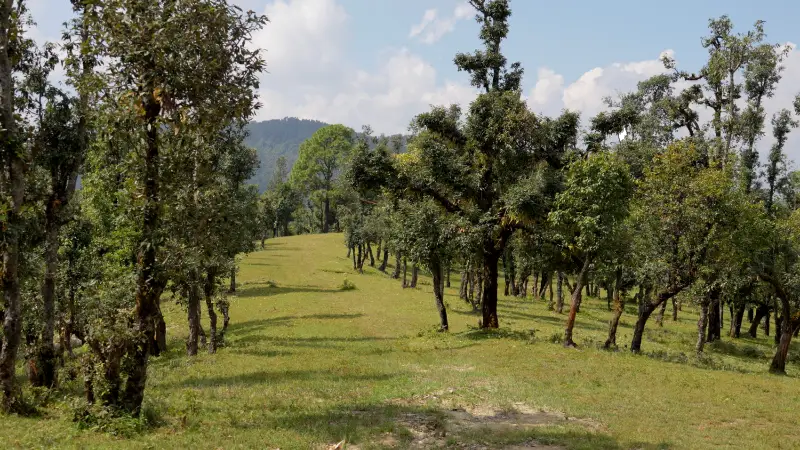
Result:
x=307 y=364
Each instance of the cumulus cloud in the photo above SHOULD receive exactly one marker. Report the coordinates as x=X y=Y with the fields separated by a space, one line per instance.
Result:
x=431 y=28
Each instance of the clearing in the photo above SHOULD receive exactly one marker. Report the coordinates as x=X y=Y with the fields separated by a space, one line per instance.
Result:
x=308 y=365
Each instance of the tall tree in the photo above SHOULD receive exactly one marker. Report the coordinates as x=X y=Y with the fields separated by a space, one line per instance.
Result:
x=158 y=90
x=320 y=160
x=496 y=166
x=588 y=213
x=14 y=159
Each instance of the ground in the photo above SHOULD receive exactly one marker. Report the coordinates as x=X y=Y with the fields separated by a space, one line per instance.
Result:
x=308 y=365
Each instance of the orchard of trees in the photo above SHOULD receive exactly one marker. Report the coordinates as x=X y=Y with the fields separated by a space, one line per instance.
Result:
x=648 y=202
x=150 y=124
x=128 y=187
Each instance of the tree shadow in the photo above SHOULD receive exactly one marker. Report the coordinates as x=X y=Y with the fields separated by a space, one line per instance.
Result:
x=305 y=342
x=273 y=377
x=286 y=320
x=267 y=291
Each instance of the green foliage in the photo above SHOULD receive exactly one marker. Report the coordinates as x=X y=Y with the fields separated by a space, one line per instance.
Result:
x=593 y=203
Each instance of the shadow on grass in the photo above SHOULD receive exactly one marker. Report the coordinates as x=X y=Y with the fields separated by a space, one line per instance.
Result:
x=286 y=320
x=267 y=291
x=267 y=377
x=307 y=342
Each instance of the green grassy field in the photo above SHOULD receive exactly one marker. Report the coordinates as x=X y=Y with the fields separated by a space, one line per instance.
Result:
x=308 y=365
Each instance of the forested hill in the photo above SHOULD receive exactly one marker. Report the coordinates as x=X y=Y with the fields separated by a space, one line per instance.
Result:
x=280 y=137
x=275 y=138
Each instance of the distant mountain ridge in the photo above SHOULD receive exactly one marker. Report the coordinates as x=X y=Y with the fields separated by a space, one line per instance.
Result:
x=279 y=137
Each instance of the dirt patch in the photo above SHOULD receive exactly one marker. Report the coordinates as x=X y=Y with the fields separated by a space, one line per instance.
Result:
x=449 y=425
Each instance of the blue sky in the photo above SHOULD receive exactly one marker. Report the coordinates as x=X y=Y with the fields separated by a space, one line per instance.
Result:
x=357 y=61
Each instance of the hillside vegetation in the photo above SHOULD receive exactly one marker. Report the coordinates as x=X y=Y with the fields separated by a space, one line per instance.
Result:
x=307 y=364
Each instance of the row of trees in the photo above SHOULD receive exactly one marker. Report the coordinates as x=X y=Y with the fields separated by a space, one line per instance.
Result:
x=151 y=125
x=650 y=199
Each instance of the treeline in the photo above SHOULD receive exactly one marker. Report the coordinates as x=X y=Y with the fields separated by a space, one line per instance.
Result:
x=153 y=119
x=648 y=202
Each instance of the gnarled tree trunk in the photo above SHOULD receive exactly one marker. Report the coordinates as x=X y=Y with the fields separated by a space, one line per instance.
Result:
x=438 y=293
x=576 y=301
x=489 y=296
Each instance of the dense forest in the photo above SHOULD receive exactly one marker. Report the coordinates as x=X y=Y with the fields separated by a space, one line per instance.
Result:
x=645 y=202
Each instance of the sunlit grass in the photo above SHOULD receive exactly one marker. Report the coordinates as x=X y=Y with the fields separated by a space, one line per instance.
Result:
x=308 y=363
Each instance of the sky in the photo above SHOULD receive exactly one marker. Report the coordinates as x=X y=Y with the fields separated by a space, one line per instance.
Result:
x=380 y=62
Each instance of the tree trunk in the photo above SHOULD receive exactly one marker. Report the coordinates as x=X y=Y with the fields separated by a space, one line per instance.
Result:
x=396 y=273
x=326 y=213
x=371 y=256
x=147 y=292
x=619 y=308
x=447 y=280
x=786 y=329
x=736 y=322
x=506 y=275
x=45 y=350
x=438 y=293
x=761 y=312
x=224 y=308
x=462 y=288
x=161 y=333
x=414 y=275
x=543 y=286
x=360 y=258
x=349 y=250
x=385 y=261
x=478 y=299
x=576 y=300
x=777 y=318
x=405 y=273
x=750 y=315
x=209 y=289
x=660 y=316
x=353 y=251
x=713 y=316
x=14 y=185
x=232 y=289
x=702 y=323
x=646 y=308
x=560 y=293
x=535 y=284
x=193 y=311
x=767 y=321
x=489 y=297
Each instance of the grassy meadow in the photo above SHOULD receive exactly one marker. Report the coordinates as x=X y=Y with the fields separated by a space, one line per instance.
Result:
x=308 y=365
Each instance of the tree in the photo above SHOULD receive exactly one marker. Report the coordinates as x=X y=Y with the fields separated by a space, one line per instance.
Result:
x=588 y=212
x=683 y=213
x=157 y=90
x=496 y=167
x=320 y=160
x=14 y=50
x=426 y=236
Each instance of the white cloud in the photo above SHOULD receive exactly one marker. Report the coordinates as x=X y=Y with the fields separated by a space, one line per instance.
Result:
x=303 y=39
x=403 y=86
x=311 y=78
x=432 y=28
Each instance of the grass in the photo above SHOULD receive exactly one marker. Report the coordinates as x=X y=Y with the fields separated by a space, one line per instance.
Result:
x=309 y=364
